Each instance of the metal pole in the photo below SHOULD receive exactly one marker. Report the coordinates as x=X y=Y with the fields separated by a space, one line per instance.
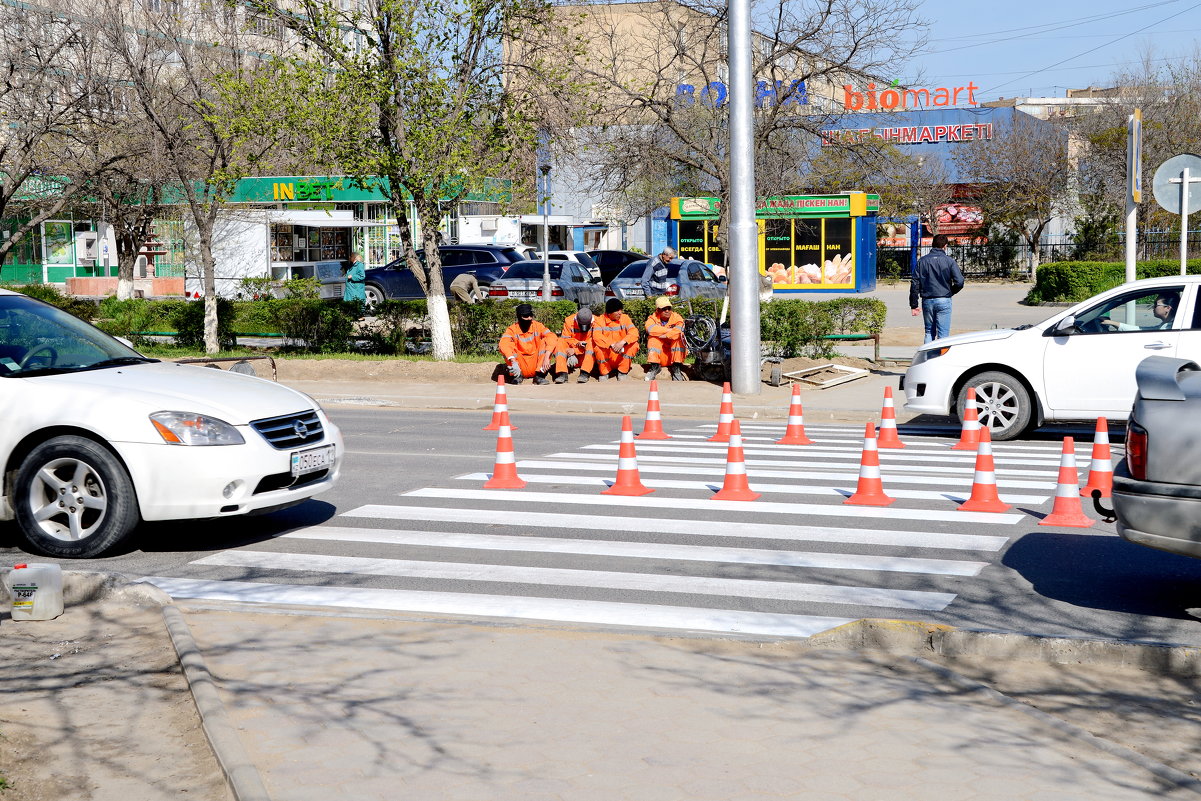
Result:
x=1133 y=155
x=546 y=232
x=1184 y=179
x=743 y=268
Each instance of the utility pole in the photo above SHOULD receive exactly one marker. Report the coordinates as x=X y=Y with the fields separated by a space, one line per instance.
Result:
x=743 y=266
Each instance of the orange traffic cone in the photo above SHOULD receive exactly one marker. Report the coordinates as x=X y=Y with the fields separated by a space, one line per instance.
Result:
x=795 y=433
x=499 y=406
x=504 y=474
x=653 y=427
x=628 y=482
x=1100 y=472
x=1067 y=511
x=888 y=424
x=870 y=491
x=735 y=487
x=984 y=485
x=969 y=437
x=725 y=415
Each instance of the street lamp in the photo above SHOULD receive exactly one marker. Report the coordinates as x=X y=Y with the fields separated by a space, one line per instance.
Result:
x=545 y=169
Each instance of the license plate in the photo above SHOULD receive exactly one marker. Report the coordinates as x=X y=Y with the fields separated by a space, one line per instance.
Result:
x=635 y=292
x=524 y=293
x=312 y=460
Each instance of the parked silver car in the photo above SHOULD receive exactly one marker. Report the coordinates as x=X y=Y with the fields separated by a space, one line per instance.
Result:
x=685 y=280
x=569 y=281
x=1157 y=487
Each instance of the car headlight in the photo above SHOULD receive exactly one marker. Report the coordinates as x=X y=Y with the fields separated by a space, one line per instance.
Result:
x=927 y=355
x=187 y=428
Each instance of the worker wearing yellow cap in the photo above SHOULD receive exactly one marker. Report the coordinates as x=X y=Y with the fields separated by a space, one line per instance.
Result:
x=665 y=341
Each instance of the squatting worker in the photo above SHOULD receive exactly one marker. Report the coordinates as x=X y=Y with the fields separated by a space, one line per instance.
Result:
x=936 y=277
x=527 y=346
x=466 y=288
x=355 y=288
x=574 y=348
x=614 y=341
x=665 y=341
x=654 y=277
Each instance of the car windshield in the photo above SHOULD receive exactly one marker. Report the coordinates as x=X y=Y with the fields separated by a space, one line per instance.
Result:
x=636 y=269
x=533 y=269
x=38 y=339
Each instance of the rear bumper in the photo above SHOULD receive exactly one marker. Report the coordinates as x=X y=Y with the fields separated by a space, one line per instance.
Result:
x=1158 y=515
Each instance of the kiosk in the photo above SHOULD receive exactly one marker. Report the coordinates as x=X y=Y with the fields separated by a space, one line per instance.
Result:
x=807 y=243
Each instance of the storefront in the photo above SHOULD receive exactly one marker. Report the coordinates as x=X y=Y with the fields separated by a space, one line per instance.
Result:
x=807 y=243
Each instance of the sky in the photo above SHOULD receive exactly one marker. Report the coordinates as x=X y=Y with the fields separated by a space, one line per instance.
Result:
x=1040 y=48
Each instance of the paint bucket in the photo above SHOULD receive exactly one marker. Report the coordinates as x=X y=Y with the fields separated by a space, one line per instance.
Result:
x=36 y=590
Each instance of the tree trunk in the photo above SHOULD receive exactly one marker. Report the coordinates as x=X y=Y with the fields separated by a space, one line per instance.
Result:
x=126 y=260
x=209 y=276
x=435 y=292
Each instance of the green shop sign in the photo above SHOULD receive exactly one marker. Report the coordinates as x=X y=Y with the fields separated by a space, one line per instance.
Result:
x=852 y=204
x=337 y=189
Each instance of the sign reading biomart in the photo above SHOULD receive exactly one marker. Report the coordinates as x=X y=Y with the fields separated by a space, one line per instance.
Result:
x=910 y=135
x=779 y=93
x=888 y=99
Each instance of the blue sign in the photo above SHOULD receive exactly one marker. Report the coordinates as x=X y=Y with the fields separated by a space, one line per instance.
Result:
x=716 y=94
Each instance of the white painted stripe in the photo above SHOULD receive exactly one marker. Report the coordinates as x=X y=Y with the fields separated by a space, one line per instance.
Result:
x=666 y=464
x=592 y=579
x=642 y=616
x=694 y=528
x=818 y=452
x=709 y=505
x=951 y=434
x=773 y=433
x=641 y=550
x=945 y=494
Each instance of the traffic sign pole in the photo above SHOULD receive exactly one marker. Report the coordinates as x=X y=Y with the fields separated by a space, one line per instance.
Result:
x=1184 y=169
x=1184 y=180
x=1134 y=189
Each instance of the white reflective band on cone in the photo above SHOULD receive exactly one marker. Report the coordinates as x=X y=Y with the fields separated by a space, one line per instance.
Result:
x=627 y=463
x=985 y=477
x=504 y=457
x=1067 y=491
x=795 y=421
x=870 y=471
x=736 y=469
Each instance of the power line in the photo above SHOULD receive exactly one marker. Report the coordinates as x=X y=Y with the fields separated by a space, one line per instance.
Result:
x=1082 y=67
x=1093 y=49
x=1062 y=23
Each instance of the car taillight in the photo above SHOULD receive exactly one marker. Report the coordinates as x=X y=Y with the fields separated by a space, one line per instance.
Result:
x=498 y=292
x=673 y=289
x=1136 y=451
x=609 y=293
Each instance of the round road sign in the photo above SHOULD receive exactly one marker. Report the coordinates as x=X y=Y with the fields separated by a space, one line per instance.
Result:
x=1167 y=194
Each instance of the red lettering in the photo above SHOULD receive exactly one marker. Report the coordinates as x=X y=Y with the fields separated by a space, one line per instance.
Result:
x=925 y=136
x=940 y=133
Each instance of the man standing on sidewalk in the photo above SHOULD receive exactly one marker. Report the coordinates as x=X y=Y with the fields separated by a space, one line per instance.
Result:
x=654 y=277
x=935 y=279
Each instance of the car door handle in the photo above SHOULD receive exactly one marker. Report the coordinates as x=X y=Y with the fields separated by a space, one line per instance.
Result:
x=1157 y=346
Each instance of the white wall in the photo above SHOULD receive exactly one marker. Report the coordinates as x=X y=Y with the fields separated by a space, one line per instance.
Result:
x=489 y=230
x=241 y=249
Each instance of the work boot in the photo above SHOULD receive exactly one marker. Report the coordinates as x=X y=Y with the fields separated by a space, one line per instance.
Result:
x=677 y=373
x=652 y=371
x=561 y=378
x=516 y=379
x=540 y=378
x=583 y=379
x=622 y=376
x=603 y=377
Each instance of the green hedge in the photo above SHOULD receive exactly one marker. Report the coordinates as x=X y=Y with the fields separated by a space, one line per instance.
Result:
x=1073 y=281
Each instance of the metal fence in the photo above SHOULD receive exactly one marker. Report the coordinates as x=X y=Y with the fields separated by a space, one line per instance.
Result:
x=1011 y=260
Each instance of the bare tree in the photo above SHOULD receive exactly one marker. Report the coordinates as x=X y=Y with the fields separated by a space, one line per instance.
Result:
x=661 y=69
x=54 y=109
x=1024 y=176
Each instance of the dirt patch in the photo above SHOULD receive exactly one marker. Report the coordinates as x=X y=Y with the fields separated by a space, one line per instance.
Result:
x=96 y=708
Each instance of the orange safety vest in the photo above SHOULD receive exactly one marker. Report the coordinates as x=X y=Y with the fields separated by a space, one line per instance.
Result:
x=607 y=331
x=538 y=341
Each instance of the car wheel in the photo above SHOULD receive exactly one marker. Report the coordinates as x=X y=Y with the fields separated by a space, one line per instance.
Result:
x=73 y=499
x=375 y=295
x=1002 y=402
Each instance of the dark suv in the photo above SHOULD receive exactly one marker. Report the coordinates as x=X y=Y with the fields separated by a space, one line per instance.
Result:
x=486 y=262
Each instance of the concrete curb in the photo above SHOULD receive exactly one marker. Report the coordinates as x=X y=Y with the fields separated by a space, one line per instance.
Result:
x=1154 y=767
x=241 y=774
x=916 y=639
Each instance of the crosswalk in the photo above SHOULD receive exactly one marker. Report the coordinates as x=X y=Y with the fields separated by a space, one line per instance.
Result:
x=796 y=562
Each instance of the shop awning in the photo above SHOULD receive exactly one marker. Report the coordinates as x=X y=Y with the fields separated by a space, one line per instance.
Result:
x=554 y=219
x=319 y=219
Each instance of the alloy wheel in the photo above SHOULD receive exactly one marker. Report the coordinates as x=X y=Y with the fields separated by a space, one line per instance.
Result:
x=68 y=499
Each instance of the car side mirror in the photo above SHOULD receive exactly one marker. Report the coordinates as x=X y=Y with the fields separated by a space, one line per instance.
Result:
x=721 y=279
x=597 y=281
x=1065 y=327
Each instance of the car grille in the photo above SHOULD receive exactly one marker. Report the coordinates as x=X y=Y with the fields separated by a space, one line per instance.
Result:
x=278 y=481
x=291 y=430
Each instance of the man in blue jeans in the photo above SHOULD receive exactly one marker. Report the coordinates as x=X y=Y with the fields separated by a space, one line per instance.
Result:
x=935 y=279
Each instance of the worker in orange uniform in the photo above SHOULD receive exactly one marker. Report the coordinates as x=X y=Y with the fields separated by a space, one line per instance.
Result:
x=614 y=341
x=527 y=346
x=665 y=341
x=574 y=348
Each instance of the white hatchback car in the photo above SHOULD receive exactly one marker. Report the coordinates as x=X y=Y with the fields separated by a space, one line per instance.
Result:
x=1078 y=364
x=96 y=437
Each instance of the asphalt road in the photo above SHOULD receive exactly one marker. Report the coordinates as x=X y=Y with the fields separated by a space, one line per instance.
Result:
x=793 y=562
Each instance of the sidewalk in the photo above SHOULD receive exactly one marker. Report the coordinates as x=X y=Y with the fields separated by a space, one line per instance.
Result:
x=301 y=704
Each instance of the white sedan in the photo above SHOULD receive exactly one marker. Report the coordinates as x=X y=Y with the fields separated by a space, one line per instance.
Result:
x=97 y=437
x=1078 y=364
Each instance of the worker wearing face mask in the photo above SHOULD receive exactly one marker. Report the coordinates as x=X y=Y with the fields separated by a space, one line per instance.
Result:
x=527 y=346
x=575 y=347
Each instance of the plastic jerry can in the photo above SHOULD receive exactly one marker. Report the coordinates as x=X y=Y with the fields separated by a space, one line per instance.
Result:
x=36 y=590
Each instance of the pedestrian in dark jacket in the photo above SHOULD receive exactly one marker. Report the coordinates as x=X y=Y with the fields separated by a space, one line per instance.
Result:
x=935 y=279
